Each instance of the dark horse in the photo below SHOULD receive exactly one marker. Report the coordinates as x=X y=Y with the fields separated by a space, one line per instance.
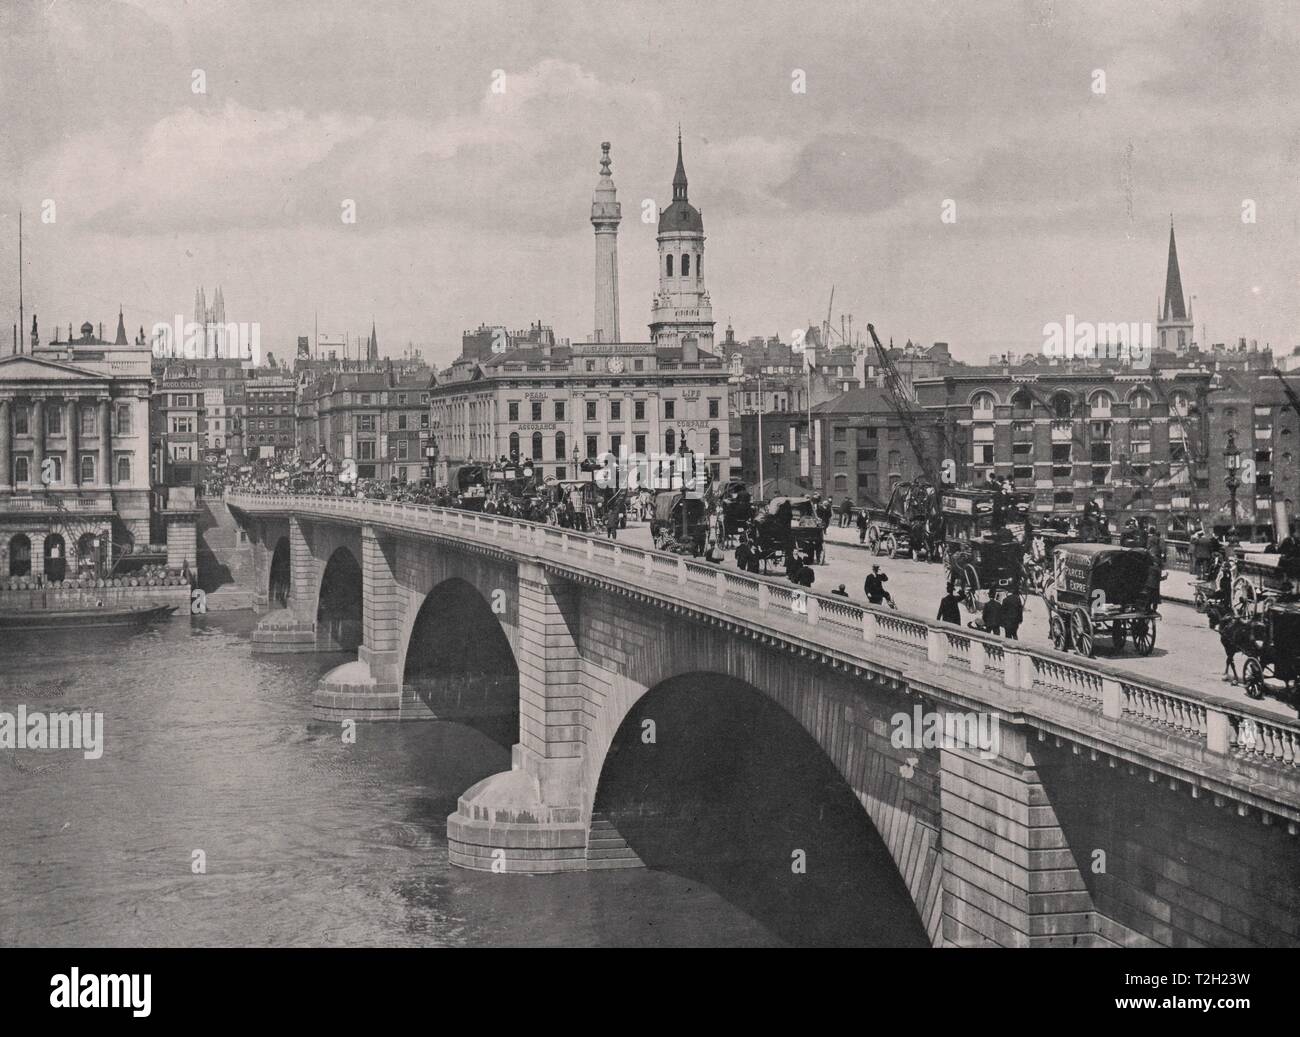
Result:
x=1236 y=635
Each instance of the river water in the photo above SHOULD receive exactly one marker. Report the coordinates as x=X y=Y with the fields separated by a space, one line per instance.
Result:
x=305 y=840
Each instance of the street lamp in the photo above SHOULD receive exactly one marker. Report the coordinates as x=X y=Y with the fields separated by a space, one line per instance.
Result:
x=1232 y=465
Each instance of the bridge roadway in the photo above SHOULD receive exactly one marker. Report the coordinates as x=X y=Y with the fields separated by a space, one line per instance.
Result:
x=1187 y=652
x=993 y=850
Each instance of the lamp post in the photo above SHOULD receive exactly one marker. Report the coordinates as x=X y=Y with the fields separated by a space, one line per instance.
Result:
x=1232 y=465
x=776 y=449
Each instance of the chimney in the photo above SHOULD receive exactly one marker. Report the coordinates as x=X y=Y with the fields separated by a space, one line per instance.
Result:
x=690 y=349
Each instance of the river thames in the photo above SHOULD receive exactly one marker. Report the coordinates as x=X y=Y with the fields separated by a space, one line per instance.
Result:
x=309 y=841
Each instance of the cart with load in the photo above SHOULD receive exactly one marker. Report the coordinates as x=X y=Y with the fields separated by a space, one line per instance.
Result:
x=1276 y=656
x=1103 y=594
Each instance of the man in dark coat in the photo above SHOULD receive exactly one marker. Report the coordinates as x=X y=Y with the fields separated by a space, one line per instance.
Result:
x=1012 y=614
x=949 y=608
x=874 y=586
x=991 y=618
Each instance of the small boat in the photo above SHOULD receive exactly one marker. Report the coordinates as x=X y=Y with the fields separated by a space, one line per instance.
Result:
x=106 y=616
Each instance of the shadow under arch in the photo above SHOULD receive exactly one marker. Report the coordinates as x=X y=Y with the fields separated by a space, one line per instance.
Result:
x=460 y=664
x=728 y=790
x=339 y=605
x=280 y=581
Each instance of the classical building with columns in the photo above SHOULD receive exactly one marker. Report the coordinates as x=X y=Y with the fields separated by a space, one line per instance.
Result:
x=559 y=405
x=74 y=454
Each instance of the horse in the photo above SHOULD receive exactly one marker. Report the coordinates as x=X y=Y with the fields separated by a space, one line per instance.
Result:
x=1236 y=635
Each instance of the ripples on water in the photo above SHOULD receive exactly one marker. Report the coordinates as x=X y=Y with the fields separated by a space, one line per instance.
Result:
x=308 y=841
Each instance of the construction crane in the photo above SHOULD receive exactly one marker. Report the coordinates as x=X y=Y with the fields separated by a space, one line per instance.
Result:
x=1190 y=456
x=1291 y=396
x=901 y=401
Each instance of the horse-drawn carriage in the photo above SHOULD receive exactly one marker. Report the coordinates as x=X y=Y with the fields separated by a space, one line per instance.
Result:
x=908 y=524
x=679 y=521
x=737 y=508
x=783 y=525
x=1275 y=639
x=1103 y=592
x=979 y=567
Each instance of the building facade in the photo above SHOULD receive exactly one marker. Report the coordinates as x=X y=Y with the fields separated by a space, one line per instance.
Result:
x=74 y=454
x=375 y=419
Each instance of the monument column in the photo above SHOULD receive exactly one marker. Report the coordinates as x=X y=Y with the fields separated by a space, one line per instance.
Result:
x=5 y=445
x=73 y=439
x=105 y=443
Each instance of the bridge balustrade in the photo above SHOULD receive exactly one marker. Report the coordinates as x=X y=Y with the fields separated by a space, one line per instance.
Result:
x=1093 y=692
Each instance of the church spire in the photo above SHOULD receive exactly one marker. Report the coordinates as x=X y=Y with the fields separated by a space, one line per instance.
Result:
x=1174 y=309
x=679 y=178
x=121 y=329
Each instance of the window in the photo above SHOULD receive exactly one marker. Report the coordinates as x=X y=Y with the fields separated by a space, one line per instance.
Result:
x=365 y=423
x=124 y=420
x=841 y=458
x=592 y=446
x=559 y=446
x=1062 y=406
x=983 y=453
x=638 y=364
x=670 y=264
x=365 y=399
x=841 y=483
x=713 y=408
x=670 y=441
x=514 y=446
x=401 y=449
x=670 y=411
x=401 y=423
x=591 y=365
x=424 y=419
x=591 y=410
x=20 y=419
x=1100 y=452
x=513 y=410
x=22 y=470
x=638 y=410
x=401 y=399
x=366 y=450
x=639 y=443
x=182 y=401
x=1063 y=497
x=983 y=404
x=615 y=444
x=1022 y=405
x=536 y=410
x=1139 y=401
x=1099 y=405
x=87 y=421
x=559 y=410
x=54 y=420
x=686 y=265
x=123 y=470
x=715 y=439
x=560 y=472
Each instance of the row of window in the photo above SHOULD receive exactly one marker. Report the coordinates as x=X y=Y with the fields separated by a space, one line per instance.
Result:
x=560 y=444
x=88 y=469
x=684 y=266
x=89 y=421
x=615 y=410
x=1062 y=405
x=369 y=422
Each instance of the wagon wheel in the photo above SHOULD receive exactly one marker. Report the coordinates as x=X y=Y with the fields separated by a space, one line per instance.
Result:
x=1060 y=632
x=1117 y=631
x=887 y=545
x=1243 y=597
x=873 y=537
x=1252 y=676
x=1144 y=635
x=1081 y=632
x=971 y=578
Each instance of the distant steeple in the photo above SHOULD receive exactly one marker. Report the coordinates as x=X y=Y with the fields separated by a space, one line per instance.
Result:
x=372 y=347
x=121 y=329
x=679 y=178
x=1174 y=308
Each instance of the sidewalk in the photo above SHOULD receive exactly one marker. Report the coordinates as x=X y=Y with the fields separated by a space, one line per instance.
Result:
x=1178 y=586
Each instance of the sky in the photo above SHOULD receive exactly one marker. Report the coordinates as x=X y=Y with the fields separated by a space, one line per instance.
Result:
x=1061 y=136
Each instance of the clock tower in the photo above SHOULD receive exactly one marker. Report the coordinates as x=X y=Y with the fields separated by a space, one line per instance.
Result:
x=681 y=309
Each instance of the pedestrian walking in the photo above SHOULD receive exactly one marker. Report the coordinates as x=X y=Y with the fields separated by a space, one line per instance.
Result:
x=949 y=607
x=991 y=617
x=1012 y=614
x=874 y=586
x=862 y=526
x=611 y=523
x=846 y=513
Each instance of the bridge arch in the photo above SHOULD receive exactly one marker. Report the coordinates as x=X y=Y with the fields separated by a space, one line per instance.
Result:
x=280 y=580
x=708 y=778
x=847 y=716
x=459 y=659
x=339 y=602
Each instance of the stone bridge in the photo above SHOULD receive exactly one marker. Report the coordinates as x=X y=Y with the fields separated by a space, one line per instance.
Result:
x=1110 y=811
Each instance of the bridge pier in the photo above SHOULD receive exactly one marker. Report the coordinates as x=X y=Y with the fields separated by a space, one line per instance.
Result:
x=533 y=818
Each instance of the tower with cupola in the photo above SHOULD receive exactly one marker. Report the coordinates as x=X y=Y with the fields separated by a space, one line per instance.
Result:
x=681 y=309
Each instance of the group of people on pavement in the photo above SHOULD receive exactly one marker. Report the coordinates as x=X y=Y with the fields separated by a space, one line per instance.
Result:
x=1002 y=613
